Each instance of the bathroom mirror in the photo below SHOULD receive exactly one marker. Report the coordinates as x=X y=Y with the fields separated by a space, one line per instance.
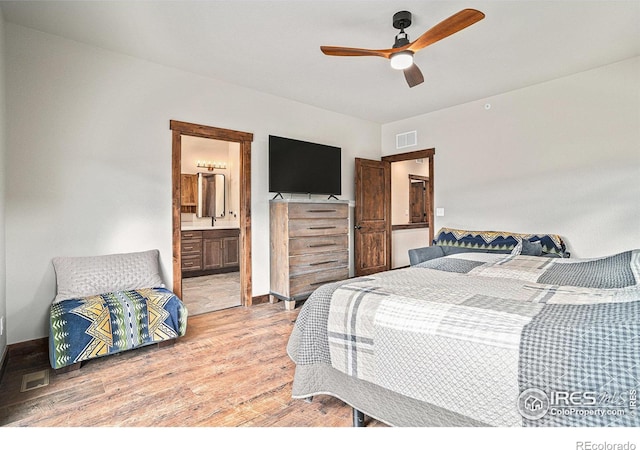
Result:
x=211 y=195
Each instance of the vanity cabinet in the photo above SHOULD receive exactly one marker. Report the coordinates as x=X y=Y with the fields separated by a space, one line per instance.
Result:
x=220 y=249
x=206 y=252
x=191 y=251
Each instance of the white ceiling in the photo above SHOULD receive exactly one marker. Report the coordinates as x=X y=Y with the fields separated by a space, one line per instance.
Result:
x=273 y=46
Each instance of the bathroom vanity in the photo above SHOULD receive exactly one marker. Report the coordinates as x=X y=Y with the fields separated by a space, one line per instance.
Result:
x=209 y=251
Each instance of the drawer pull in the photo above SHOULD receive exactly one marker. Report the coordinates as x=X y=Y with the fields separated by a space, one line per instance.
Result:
x=321 y=210
x=321 y=245
x=187 y=264
x=323 y=262
x=325 y=282
x=322 y=228
x=188 y=248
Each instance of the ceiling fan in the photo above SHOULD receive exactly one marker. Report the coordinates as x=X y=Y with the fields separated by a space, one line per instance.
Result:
x=401 y=54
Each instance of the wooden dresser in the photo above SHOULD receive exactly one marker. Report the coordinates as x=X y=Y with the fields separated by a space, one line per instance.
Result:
x=309 y=247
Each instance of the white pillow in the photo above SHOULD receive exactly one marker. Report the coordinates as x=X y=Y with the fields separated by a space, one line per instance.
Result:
x=82 y=276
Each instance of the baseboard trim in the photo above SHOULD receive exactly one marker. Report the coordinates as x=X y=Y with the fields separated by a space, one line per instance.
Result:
x=260 y=299
x=28 y=347
x=3 y=362
x=22 y=350
x=201 y=273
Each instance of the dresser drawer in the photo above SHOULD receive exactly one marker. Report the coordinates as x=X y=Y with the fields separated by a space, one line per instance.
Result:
x=318 y=244
x=191 y=262
x=318 y=211
x=191 y=246
x=317 y=227
x=196 y=234
x=305 y=284
x=317 y=261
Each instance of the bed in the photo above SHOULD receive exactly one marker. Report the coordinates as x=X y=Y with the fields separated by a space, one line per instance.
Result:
x=478 y=339
x=108 y=304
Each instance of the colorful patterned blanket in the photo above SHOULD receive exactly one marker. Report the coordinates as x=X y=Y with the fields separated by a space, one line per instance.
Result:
x=499 y=340
x=99 y=325
x=550 y=244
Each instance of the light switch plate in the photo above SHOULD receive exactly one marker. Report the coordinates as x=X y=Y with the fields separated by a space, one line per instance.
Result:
x=440 y=212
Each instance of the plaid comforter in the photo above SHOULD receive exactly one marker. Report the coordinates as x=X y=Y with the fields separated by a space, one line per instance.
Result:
x=501 y=340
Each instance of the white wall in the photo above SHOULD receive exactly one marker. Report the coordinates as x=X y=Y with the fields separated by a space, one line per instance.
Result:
x=559 y=157
x=3 y=151
x=404 y=240
x=89 y=158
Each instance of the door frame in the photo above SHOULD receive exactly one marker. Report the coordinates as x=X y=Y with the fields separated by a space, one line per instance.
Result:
x=244 y=139
x=428 y=154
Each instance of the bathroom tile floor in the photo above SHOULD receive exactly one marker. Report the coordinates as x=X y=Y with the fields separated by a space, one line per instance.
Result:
x=211 y=292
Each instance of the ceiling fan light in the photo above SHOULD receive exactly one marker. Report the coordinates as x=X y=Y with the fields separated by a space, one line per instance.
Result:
x=402 y=60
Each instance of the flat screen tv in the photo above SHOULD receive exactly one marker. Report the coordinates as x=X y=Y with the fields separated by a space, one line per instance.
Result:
x=299 y=167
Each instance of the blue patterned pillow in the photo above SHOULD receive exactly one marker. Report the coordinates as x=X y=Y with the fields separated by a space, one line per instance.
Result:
x=502 y=241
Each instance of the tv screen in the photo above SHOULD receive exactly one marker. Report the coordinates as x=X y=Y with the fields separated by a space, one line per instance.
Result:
x=300 y=167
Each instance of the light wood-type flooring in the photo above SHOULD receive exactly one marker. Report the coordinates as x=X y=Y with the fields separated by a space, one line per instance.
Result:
x=230 y=370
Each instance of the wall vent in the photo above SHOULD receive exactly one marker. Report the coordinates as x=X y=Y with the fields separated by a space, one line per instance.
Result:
x=408 y=139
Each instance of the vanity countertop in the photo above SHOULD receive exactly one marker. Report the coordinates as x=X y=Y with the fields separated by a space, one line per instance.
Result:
x=208 y=227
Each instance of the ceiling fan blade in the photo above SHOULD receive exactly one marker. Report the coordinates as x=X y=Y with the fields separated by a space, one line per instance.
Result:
x=413 y=75
x=348 y=51
x=447 y=27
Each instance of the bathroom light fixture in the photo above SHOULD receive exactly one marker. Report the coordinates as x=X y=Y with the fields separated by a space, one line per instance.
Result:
x=211 y=166
x=402 y=60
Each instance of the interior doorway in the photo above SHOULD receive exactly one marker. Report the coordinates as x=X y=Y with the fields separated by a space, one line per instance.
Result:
x=380 y=242
x=195 y=246
x=210 y=198
x=411 y=203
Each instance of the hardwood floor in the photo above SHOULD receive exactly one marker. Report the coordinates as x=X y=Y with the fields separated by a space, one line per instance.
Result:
x=230 y=370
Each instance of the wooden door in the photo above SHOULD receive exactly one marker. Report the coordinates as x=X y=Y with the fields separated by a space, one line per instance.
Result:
x=417 y=202
x=372 y=234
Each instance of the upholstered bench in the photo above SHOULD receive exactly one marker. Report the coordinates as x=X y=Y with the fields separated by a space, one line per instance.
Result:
x=108 y=304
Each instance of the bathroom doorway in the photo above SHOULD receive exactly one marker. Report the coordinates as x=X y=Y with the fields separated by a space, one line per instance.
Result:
x=411 y=203
x=209 y=224
x=211 y=243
